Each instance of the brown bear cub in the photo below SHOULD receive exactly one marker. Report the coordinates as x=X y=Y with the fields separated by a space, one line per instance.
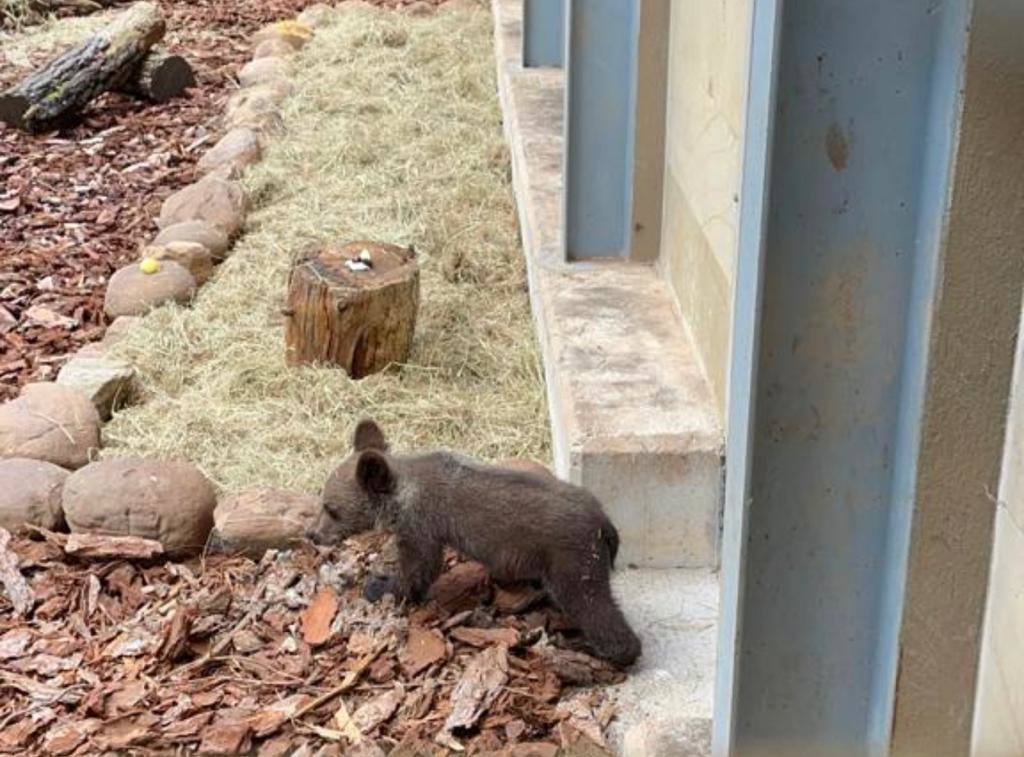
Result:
x=522 y=526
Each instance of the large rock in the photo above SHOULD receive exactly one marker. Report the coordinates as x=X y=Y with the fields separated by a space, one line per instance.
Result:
x=260 y=70
x=131 y=291
x=293 y=33
x=261 y=519
x=216 y=201
x=119 y=328
x=236 y=151
x=273 y=48
x=50 y=422
x=419 y=9
x=30 y=493
x=256 y=108
x=108 y=383
x=171 y=502
x=200 y=232
x=317 y=15
x=191 y=256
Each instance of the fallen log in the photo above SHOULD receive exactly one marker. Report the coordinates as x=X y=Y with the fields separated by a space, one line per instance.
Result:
x=103 y=62
x=159 y=77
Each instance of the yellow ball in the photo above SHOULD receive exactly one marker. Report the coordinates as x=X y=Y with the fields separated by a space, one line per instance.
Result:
x=149 y=265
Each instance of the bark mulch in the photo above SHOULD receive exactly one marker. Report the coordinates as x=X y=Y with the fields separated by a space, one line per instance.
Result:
x=103 y=653
x=75 y=205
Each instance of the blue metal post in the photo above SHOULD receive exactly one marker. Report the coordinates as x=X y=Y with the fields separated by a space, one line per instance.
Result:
x=600 y=127
x=543 y=33
x=849 y=146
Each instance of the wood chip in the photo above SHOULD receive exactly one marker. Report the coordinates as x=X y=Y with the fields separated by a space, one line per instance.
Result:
x=423 y=648
x=483 y=637
x=99 y=547
x=477 y=689
x=378 y=710
x=316 y=620
x=18 y=591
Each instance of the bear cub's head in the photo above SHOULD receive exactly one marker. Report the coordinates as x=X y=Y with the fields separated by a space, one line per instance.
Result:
x=356 y=496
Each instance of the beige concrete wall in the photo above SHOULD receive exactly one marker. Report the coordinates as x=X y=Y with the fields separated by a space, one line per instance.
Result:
x=999 y=711
x=707 y=73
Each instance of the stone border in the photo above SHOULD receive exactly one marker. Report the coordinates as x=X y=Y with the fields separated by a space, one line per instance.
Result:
x=52 y=428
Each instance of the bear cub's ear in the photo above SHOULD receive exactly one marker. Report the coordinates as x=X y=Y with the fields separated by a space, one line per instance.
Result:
x=374 y=473
x=368 y=435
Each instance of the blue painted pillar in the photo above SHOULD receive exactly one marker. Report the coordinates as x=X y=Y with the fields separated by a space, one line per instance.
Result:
x=600 y=127
x=852 y=143
x=543 y=33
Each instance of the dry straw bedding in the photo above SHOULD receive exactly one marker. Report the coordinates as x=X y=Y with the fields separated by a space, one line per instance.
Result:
x=394 y=134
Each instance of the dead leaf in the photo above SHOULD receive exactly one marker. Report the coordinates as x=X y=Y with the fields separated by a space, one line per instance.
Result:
x=344 y=723
x=10 y=204
x=316 y=620
x=99 y=547
x=378 y=710
x=17 y=588
x=477 y=689
x=423 y=648
x=482 y=637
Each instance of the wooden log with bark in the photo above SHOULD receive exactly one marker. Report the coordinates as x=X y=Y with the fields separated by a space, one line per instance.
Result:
x=353 y=306
x=159 y=77
x=103 y=62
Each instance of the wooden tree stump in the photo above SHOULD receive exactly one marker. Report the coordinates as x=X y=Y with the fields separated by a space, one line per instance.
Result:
x=103 y=62
x=159 y=77
x=361 y=320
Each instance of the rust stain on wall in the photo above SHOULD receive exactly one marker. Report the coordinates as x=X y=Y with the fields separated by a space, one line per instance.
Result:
x=837 y=147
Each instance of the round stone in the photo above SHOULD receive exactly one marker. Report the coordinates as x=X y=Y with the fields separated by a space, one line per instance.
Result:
x=292 y=32
x=30 y=494
x=260 y=519
x=50 y=422
x=171 y=502
x=257 y=71
x=200 y=232
x=132 y=292
x=316 y=15
x=236 y=150
x=214 y=200
x=192 y=256
x=275 y=47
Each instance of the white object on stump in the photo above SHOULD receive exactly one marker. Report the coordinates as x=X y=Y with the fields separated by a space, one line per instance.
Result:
x=353 y=306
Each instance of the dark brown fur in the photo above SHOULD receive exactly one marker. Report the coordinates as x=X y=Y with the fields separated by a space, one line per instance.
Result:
x=523 y=526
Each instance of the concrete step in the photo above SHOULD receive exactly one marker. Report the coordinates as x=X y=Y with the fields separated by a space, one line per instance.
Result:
x=632 y=416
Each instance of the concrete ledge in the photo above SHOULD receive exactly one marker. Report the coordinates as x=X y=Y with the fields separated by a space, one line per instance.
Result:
x=632 y=416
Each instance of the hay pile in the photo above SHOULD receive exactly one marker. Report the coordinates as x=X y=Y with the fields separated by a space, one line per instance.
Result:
x=394 y=134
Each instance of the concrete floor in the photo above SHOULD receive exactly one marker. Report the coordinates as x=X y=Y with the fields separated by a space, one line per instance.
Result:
x=667 y=698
